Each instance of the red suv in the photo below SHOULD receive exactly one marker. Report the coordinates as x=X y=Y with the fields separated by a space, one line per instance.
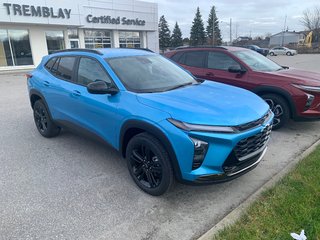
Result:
x=291 y=93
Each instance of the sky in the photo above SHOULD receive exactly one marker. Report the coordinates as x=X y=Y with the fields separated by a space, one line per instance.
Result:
x=255 y=18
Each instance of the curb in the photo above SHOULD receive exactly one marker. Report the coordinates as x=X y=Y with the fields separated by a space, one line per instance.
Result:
x=234 y=215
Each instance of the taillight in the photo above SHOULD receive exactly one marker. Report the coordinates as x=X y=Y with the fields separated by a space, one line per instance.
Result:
x=28 y=75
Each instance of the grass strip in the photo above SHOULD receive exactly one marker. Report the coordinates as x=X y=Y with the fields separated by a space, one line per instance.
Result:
x=291 y=205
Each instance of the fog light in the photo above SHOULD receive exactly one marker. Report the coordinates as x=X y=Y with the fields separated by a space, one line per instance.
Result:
x=309 y=101
x=200 y=151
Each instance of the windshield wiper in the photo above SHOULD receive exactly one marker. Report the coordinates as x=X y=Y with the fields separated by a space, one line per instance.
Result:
x=179 y=86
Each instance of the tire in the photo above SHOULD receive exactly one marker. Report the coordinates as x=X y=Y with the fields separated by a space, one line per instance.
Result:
x=289 y=54
x=272 y=54
x=43 y=121
x=149 y=164
x=279 y=107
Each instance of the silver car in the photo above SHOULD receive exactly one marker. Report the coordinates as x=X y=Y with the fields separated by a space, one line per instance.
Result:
x=282 y=51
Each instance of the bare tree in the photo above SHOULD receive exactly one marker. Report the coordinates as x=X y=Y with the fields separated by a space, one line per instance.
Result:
x=311 y=18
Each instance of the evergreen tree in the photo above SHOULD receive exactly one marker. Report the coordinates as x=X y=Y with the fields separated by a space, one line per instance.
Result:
x=197 y=33
x=213 y=21
x=164 y=33
x=176 y=38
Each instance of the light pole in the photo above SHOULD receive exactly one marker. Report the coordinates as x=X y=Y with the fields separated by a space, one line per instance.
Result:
x=230 y=25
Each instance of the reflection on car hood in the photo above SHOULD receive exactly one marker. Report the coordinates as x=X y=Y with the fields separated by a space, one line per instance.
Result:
x=208 y=103
x=301 y=76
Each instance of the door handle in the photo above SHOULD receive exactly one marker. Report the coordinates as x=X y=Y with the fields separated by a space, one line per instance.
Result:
x=46 y=83
x=76 y=93
x=209 y=74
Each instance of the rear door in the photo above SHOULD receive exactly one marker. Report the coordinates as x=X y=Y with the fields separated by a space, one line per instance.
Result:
x=194 y=61
x=57 y=84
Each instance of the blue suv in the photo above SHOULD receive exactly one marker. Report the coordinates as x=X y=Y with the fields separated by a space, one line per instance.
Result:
x=166 y=123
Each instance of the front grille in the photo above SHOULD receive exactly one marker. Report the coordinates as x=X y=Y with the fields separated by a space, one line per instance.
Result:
x=252 y=144
x=253 y=124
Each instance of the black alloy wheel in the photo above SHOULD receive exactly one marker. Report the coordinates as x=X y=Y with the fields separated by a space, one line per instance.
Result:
x=42 y=119
x=149 y=164
x=280 y=109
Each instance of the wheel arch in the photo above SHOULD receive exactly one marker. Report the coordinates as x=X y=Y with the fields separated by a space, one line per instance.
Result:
x=35 y=95
x=278 y=91
x=133 y=127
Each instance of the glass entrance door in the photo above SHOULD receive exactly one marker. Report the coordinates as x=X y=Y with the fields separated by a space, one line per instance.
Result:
x=74 y=43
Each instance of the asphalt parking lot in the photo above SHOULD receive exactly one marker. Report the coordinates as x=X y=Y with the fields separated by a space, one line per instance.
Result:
x=71 y=187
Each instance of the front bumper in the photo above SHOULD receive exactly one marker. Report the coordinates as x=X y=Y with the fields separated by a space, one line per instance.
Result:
x=234 y=172
x=229 y=155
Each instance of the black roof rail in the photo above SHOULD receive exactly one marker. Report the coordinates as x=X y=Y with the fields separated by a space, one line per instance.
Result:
x=201 y=46
x=144 y=49
x=78 y=50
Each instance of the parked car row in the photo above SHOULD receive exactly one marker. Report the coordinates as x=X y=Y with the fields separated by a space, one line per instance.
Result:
x=167 y=122
x=273 y=51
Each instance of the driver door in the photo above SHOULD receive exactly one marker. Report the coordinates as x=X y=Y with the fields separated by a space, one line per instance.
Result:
x=218 y=64
x=96 y=112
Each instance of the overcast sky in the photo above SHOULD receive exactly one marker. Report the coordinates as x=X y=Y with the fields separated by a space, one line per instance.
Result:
x=257 y=17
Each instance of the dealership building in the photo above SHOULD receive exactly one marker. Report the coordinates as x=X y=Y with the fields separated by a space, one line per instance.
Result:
x=31 y=29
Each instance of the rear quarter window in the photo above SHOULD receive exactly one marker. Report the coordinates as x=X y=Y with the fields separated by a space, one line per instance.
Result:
x=50 y=63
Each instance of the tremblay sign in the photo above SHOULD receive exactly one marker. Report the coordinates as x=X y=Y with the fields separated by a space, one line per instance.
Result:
x=37 y=11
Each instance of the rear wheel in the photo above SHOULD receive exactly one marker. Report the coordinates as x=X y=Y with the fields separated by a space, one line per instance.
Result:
x=149 y=164
x=280 y=109
x=42 y=119
x=271 y=53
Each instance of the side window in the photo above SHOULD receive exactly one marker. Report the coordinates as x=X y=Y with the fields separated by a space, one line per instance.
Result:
x=177 y=56
x=220 y=61
x=90 y=70
x=50 y=63
x=63 y=68
x=194 y=58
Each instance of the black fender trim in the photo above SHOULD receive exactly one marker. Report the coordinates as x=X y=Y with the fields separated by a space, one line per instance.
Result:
x=147 y=127
x=275 y=90
x=39 y=94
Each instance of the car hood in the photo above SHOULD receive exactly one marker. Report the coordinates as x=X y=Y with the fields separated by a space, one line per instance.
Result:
x=299 y=76
x=208 y=103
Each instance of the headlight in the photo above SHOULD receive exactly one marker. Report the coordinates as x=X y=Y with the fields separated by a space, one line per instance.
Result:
x=201 y=128
x=307 y=88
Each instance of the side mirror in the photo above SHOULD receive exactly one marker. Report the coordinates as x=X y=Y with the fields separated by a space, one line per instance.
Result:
x=236 y=69
x=101 y=87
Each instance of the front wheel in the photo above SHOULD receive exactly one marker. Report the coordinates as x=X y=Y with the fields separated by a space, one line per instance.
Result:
x=289 y=54
x=280 y=109
x=149 y=164
x=271 y=54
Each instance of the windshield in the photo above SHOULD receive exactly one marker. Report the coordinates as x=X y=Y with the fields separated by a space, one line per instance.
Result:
x=150 y=73
x=257 y=62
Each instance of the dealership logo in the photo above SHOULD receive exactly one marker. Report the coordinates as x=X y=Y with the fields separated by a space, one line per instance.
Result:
x=109 y=20
x=36 y=11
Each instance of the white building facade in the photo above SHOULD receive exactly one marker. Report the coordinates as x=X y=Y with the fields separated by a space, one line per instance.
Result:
x=31 y=29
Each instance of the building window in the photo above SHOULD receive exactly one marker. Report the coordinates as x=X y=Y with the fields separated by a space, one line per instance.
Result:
x=55 y=41
x=15 y=48
x=129 y=40
x=73 y=33
x=97 y=39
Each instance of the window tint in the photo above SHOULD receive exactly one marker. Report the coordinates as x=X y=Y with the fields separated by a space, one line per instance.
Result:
x=194 y=58
x=63 y=67
x=50 y=63
x=177 y=56
x=90 y=70
x=220 y=61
